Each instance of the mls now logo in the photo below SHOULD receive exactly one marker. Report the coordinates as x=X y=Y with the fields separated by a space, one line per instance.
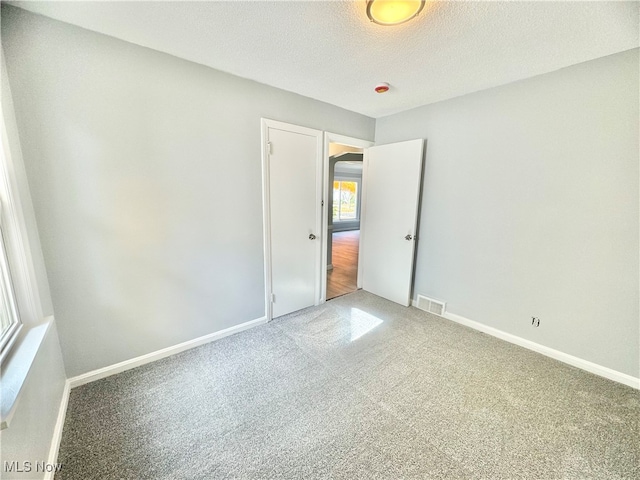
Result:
x=26 y=467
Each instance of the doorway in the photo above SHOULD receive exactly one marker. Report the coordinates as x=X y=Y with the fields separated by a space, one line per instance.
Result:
x=343 y=222
x=336 y=145
x=298 y=196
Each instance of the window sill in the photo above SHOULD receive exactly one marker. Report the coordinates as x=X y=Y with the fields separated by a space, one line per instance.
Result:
x=16 y=367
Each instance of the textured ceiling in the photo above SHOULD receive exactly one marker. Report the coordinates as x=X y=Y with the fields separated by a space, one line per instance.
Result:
x=331 y=52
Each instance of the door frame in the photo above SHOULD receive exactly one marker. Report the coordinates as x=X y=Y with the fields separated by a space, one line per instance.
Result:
x=330 y=137
x=265 y=124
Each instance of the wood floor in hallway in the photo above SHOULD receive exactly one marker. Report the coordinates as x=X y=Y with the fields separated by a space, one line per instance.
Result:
x=342 y=278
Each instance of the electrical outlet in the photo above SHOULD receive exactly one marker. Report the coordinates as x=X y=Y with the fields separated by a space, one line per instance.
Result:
x=535 y=321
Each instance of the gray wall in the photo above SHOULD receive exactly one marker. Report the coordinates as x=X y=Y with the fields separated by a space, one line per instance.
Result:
x=145 y=173
x=29 y=435
x=530 y=207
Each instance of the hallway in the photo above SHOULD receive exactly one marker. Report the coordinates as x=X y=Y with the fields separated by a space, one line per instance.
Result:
x=342 y=279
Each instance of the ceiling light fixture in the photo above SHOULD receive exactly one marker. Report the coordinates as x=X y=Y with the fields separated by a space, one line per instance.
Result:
x=393 y=12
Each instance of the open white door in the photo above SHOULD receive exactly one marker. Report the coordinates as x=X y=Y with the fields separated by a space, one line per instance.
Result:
x=389 y=219
x=292 y=172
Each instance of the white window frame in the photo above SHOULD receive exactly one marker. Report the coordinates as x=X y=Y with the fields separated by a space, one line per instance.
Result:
x=21 y=348
x=8 y=338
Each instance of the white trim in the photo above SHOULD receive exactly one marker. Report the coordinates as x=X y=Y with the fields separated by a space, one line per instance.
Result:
x=8 y=337
x=348 y=141
x=127 y=365
x=16 y=367
x=363 y=219
x=320 y=202
x=17 y=243
x=330 y=137
x=546 y=351
x=57 y=431
x=266 y=218
x=157 y=355
x=325 y=218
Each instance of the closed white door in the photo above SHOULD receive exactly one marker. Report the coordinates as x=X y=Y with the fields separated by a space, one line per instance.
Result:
x=390 y=217
x=292 y=171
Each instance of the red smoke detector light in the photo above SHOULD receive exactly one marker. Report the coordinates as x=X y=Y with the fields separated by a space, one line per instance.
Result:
x=382 y=87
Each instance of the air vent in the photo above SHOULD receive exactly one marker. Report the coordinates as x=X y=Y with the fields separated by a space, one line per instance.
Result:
x=430 y=305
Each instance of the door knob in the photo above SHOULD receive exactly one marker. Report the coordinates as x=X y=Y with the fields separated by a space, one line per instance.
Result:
x=312 y=236
x=408 y=237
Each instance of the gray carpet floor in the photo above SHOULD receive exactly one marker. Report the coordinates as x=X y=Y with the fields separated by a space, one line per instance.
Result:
x=359 y=388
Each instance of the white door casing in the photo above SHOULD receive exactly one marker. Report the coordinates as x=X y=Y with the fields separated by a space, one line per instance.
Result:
x=389 y=218
x=292 y=190
x=329 y=138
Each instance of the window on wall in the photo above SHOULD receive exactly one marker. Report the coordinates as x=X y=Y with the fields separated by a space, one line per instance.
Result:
x=345 y=200
x=9 y=320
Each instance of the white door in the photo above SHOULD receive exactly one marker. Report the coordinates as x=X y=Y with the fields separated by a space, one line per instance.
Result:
x=292 y=171
x=388 y=231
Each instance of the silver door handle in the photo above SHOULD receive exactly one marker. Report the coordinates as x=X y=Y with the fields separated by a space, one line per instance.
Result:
x=312 y=236
x=408 y=237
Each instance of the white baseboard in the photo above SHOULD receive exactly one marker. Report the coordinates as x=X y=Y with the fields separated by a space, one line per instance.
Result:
x=126 y=365
x=547 y=351
x=157 y=355
x=57 y=431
